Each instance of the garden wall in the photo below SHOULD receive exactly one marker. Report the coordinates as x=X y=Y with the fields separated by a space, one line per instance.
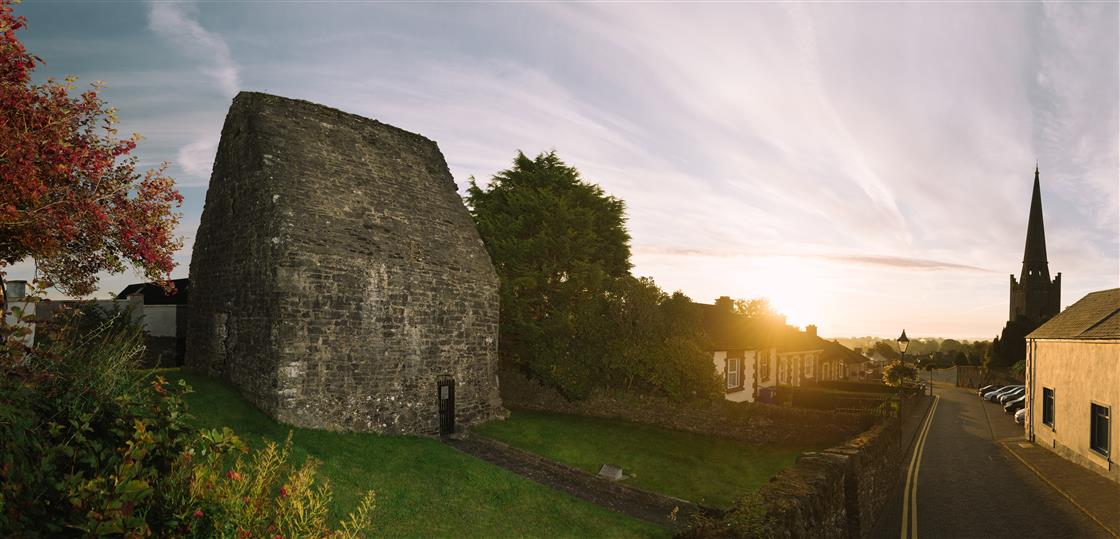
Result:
x=750 y=422
x=837 y=492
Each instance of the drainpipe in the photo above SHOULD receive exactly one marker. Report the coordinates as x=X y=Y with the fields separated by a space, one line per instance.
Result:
x=1031 y=363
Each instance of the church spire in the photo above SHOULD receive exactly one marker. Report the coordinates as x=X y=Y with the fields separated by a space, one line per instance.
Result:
x=1034 y=254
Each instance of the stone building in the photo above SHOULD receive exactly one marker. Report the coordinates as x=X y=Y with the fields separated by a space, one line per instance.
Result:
x=1035 y=298
x=337 y=279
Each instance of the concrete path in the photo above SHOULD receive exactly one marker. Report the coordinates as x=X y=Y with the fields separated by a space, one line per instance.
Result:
x=964 y=483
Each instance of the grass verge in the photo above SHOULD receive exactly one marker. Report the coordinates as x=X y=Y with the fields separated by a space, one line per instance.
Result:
x=424 y=488
x=702 y=469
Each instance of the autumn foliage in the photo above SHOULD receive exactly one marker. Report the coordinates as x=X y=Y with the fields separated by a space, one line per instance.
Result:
x=71 y=197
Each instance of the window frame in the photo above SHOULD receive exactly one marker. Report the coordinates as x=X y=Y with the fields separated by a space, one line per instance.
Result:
x=1048 y=406
x=1095 y=412
x=734 y=365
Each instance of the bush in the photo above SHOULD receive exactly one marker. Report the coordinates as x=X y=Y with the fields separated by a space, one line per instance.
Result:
x=747 y=519
x=89 y=445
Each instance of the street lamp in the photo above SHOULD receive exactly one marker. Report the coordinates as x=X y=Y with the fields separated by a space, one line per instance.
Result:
x=903 y=344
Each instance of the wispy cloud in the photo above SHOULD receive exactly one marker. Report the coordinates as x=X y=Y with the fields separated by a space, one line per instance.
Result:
x=885 y=261
x=866 y=149
x=197 y=158
x=177 y=22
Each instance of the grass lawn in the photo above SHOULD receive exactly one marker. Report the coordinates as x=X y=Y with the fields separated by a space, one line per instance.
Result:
x=699 y=468
x=424 y=489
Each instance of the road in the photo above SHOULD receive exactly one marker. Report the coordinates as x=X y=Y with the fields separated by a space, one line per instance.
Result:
x=963 y=484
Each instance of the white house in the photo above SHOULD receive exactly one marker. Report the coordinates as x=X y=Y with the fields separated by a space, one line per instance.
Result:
x=754 y=356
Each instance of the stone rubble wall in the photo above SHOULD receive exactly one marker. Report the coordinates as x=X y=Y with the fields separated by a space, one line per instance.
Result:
x=840 y=491
x=744 y=421
x=337 y=275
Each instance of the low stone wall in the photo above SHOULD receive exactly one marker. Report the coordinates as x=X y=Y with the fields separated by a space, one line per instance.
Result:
x=750 y=422
x=837 y=492
x=866 y=466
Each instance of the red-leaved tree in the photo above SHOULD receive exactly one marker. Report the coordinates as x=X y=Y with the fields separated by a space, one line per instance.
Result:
x=70 y=196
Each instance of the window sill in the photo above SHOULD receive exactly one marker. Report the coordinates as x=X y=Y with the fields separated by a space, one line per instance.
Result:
x=1100 y=459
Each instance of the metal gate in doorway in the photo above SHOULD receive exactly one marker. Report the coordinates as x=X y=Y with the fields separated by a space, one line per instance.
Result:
x=446 y=388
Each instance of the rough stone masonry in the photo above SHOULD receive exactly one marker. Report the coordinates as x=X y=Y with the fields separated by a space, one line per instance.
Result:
x=337 y=276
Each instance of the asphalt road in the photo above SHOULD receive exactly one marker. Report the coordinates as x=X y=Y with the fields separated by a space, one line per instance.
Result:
x=966 y=485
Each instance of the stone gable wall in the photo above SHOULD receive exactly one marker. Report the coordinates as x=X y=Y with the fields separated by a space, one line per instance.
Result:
x=337 y=274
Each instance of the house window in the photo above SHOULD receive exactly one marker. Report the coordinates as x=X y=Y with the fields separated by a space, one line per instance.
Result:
x=1048 y=407
x=733 y=373
x=1098 y=428
x=764 y=369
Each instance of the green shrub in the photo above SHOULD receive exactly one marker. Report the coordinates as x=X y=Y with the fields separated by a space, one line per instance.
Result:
x=90 y=445
x=747 y=519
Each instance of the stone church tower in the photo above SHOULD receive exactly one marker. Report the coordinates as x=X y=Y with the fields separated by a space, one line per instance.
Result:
x=1034 y=297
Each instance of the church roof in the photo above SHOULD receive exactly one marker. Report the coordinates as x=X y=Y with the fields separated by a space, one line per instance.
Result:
x=1095 y=316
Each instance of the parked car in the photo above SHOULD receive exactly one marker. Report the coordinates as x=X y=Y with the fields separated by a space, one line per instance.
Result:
x=1011 y=395
x=992 y=393
x=994 y=397
x=1016 y=404
x=1021 y=416
x=986 y=389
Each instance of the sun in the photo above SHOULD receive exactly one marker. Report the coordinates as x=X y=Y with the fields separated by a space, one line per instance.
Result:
x=795 y=287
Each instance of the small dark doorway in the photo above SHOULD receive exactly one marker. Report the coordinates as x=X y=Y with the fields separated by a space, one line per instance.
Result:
x=446 y=388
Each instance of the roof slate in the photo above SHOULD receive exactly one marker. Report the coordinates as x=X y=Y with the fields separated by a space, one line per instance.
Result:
x=730 y=331
x=154 y=295
x=1095 y=316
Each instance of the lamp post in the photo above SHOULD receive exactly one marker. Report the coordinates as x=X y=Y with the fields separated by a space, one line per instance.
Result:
x=903 y=344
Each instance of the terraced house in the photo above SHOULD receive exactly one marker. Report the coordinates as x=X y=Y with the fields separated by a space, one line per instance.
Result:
x=755 y=356
x=1073 y=382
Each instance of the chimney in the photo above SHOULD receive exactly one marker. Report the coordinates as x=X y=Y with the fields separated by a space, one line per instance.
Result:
x=724 y=304
x=811 y=330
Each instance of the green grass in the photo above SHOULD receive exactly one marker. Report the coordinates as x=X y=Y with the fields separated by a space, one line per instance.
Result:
x=703 y=469
x=424 y=488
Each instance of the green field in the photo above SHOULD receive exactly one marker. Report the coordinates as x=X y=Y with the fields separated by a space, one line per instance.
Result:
x=702 y=469
x=424 y=488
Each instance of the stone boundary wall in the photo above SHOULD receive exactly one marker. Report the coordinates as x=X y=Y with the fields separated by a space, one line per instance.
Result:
x=749 y=422
x=840 y=491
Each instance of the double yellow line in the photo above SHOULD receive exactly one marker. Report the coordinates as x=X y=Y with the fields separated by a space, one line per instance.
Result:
x=910 y=494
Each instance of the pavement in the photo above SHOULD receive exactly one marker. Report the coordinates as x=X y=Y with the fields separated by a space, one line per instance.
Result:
x=967 y=481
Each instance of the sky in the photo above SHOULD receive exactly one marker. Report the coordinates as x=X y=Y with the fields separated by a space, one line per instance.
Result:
x=866 y=166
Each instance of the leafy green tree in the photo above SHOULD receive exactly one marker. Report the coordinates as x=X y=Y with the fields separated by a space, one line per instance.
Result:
x=950 y=345
x=757 y=309
x=572 y=315
x=1012 y=345
x=558 y=244
x=656 y=344
x=886 y=349
x=993 y=355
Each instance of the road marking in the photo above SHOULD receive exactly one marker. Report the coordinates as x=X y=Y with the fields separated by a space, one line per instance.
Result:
x=910 y=490
x=1060 y=491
